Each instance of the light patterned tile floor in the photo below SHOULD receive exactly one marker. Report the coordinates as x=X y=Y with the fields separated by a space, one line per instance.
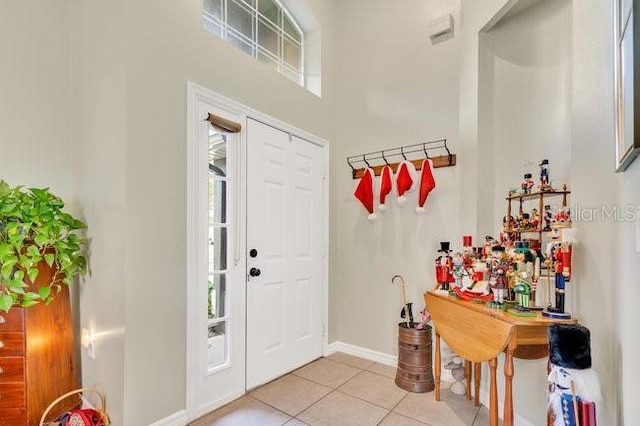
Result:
x=344 y=390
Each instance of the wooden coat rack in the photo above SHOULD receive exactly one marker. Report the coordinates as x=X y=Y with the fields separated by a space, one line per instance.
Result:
x=359 y=163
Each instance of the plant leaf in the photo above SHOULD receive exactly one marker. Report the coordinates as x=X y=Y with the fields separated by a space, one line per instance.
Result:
x=33 y=251
x=41 y=239
x=31 y=296
x=28 y=302
x=7 y=269
x=8 y=208
x=5 y=250
x=49 y=258
x=33 y=274
x=44 y=292
x=6 y=301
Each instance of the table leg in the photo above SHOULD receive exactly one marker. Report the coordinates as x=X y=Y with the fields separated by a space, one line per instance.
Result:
x=508 y=389
x=493 y=393
x=438 y=366
x=477 y=373
x=467 y=377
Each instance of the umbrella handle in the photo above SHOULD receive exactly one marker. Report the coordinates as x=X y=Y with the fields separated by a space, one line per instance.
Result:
x=404 y=299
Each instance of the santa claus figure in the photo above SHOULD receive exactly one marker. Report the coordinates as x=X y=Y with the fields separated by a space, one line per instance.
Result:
x=444 y=267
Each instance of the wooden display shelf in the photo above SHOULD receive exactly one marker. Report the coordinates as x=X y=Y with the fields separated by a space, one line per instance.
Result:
x=521 y=231
x=534 y=195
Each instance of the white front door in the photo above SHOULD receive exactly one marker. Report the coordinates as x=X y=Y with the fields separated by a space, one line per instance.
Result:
x=285 y=213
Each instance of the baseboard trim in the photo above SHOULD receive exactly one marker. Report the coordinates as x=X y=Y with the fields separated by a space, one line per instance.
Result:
x=176 y=419
x=381 y=357
x=361 y=352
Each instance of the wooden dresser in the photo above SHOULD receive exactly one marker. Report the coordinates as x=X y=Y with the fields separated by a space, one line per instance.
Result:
x=37 y=359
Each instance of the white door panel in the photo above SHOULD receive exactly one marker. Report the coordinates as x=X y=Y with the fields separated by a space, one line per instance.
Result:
x=284 y=225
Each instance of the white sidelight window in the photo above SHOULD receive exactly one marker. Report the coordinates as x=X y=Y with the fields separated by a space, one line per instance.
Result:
x=217 y=312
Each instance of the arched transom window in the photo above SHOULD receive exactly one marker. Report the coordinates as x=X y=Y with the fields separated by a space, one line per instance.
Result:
x=261 y=28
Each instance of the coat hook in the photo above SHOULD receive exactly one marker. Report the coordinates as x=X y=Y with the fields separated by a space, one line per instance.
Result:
x=448 y=152
x=353 y=170
x=402 y=152
x=385 y=159
x=424 y=148
x=364 y=158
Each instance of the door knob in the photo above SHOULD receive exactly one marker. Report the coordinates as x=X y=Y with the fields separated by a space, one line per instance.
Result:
x=253 y=252
x=254 y=272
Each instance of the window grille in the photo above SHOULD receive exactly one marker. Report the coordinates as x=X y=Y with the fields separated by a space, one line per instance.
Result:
x=263 y=29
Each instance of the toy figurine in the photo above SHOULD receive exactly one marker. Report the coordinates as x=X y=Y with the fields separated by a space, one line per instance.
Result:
x=525 y=222
x=544 y=175
x=574 y=387
x=498 y=281
x=559 y=259
x=562 y=219
x=535 y=219
x=524 y=261
x=458 y=269
x=425 y=317
x=489 y=243
x=508 y=223
x=444 y=267
x=527 y=184
x=548 y=218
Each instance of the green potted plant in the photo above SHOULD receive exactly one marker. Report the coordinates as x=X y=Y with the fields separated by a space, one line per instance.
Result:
x=35 y=229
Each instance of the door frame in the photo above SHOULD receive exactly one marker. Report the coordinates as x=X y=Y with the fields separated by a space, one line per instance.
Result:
x=197 y=94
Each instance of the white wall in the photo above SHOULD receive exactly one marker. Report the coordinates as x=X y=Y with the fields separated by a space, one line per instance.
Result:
x=593 y=184
x=394 y=88
x=626 y=345
x=35 y=95
x=166 y=45
x=524 y=104
x=98 y=134
x=524 y=107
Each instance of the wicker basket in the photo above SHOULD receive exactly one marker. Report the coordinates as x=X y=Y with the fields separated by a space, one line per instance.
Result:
x=102 y=410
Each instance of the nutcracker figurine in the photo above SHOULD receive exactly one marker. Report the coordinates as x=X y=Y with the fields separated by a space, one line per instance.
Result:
x=458 y=269
x=574 y=387
x=444 y=267
x=498 y=280
x=527 y=184
x=548 y=218
x=524 y=275
x=559 y=258
x=544 y=175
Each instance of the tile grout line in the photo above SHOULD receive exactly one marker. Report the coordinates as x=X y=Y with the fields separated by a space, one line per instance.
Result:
x=292 y=416
x=269 y=405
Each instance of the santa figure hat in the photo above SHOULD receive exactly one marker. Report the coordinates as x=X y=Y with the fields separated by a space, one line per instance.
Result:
x=427 y=183
x=386 y=185
x=364 y=192
x=406 y=177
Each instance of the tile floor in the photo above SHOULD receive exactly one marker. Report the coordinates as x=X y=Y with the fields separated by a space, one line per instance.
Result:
x=344 y=390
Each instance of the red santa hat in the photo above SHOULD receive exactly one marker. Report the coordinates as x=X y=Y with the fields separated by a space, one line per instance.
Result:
x=364 y=192
x=427 y=183
x=406 y=178
x=386 y=185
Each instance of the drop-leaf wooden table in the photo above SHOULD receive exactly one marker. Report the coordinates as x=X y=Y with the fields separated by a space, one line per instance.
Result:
x=478 y=333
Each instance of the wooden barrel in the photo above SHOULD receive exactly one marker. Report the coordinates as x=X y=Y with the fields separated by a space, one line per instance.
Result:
x=415 y=372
